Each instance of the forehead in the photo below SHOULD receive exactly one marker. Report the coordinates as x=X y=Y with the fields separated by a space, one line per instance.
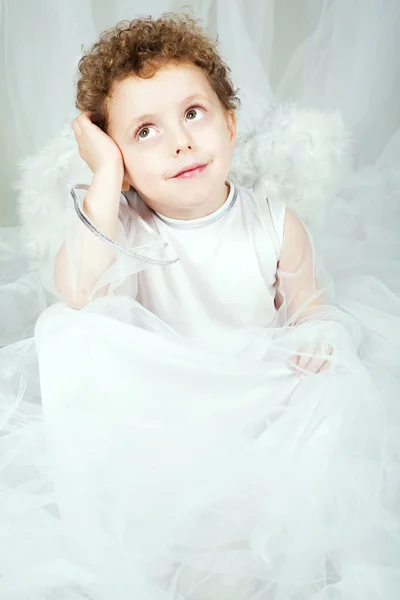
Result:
x=166 y=89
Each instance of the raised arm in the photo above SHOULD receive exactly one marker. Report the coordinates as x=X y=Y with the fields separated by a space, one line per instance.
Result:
x=83 y=258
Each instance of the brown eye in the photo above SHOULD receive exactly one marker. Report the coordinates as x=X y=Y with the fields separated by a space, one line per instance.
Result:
x=143 y=133
x=191 y=114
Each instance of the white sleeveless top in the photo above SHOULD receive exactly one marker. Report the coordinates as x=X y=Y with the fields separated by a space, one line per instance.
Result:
x=227 y=269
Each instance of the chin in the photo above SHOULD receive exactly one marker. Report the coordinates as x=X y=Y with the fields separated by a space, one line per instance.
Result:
x=195 y=196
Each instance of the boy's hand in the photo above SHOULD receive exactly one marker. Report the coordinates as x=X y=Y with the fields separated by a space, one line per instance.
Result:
x=311 y=358
x=96 y=148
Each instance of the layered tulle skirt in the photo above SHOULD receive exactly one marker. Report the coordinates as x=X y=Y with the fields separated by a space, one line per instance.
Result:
x=137 y=463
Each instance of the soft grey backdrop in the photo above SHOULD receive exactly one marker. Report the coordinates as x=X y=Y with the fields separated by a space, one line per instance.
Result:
x=318 y=53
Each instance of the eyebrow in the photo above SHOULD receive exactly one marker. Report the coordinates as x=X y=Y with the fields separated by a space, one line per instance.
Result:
x=150 y=116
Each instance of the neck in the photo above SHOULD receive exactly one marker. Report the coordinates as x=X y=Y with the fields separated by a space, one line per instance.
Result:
x=196 y=211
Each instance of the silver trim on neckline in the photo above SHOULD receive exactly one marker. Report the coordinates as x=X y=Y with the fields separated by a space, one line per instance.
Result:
x=139 y=253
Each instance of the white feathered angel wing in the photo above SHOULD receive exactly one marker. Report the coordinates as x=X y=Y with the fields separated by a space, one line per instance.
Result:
x=301 y=156
x=44 y=193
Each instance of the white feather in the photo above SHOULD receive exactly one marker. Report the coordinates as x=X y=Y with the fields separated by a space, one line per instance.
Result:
x=44 y=192
x=302 y=156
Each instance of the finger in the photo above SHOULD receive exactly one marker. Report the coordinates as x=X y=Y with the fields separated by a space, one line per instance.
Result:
x=326 y=363
x=326 y=366
x=315 y=365
x=303 y=362
x=86 y=115
x=293 y=361
x=76 y=128
x=306 y=356
x=316 y=360
x=298 y=361
x=125 y=185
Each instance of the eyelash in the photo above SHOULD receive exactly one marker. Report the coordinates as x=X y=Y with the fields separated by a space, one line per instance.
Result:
x=143 y=126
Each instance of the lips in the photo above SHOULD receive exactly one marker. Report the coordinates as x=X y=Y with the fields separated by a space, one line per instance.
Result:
x=190 y=170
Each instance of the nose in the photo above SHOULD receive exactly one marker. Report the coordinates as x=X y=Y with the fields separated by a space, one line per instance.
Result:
x=181 y=148
x=181 y=141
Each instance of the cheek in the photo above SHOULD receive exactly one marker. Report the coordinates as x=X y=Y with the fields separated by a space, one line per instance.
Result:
x=216 y=133
x=140 y=163
x=219 y=145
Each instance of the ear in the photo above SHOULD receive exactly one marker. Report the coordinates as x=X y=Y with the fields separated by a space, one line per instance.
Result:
x=231 y=121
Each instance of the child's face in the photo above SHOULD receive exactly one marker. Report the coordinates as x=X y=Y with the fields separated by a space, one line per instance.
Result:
x=183 y=124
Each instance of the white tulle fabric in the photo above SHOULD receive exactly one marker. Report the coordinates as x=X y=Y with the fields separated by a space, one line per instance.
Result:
x=139 y=462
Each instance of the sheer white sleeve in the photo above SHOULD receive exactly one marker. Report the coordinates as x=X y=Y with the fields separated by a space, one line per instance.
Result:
x=134 y=247
x=305 y=297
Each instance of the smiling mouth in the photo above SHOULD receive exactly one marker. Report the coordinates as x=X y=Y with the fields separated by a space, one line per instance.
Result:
x=190 y=172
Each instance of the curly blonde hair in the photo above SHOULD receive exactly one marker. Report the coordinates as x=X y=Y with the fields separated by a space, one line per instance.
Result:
x=139 y=48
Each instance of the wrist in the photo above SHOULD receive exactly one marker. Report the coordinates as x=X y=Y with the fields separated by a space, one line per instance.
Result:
x=112 y=172
x=103 y=198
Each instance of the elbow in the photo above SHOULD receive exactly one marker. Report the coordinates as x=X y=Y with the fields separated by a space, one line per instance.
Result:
x=78 y=298
x=74 y=296
x=75 y=300
x=77 y=303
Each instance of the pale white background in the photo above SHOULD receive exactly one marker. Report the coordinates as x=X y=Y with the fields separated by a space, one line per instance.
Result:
x=328 y=54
